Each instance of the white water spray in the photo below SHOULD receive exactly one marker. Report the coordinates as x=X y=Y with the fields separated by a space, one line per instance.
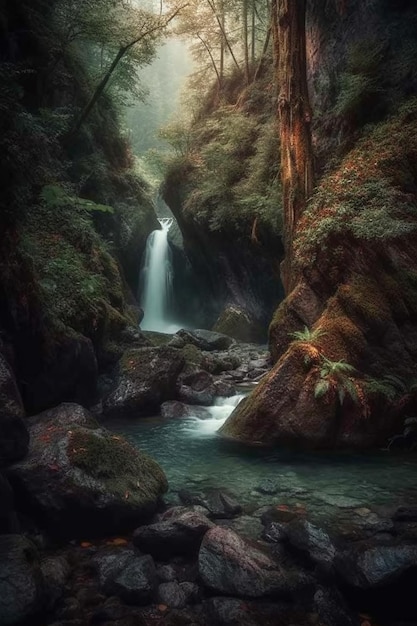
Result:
x=156 y=281
x=217 y=415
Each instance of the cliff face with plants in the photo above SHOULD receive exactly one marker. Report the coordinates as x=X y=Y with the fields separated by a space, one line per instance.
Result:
x=344 y=341
x=74 y=214
x=223 y=187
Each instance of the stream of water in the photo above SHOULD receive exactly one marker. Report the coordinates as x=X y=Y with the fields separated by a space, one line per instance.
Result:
x=193 y=456
x=156 y=278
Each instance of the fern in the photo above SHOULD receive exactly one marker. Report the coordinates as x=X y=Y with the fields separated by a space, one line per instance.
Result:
x=335 y=368
x=307 y=334
x=321 y=388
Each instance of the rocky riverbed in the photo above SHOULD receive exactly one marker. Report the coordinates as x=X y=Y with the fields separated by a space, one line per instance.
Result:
x=89 y=534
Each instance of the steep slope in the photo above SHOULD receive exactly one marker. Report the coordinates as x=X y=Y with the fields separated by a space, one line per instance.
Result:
x=74 y=216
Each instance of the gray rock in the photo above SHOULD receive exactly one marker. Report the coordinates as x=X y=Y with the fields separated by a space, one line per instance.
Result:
x=146 y=378
x=313 y=541
x=333 y=610
x=189 y=395
x=22 y=593
x=274 y=532
x=229 y=565
x=179 y=535
x=405 y=514
x=109 y=562
x=375 y=566
x=179 y=410
x=55 y=571
x=219 y=503
x=136 y=582
x=171 y=594
x=206 y=339
x=82 y=480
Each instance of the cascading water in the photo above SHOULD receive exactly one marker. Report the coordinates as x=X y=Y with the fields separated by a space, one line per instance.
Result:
x=156 y=281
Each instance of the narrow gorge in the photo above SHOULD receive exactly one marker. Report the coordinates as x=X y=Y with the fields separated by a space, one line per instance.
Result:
x=208 y=313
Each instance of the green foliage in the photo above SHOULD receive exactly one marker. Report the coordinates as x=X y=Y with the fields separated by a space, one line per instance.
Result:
x=307 y=334
x=229 y=160
x=79 y=285
x=368 y=197
x=56 y=197
x=361 y=84
x=336 y=376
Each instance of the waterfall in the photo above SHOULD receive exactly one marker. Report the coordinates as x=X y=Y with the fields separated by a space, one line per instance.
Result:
x=156 y=281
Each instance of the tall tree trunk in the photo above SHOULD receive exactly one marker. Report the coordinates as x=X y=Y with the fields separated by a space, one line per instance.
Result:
x=253 y=34
x=245 y=38
x=223 y=31
x=294 y=120
x=222 y=42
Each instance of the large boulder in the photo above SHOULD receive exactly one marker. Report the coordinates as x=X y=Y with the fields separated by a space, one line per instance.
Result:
x=14 y=438
x=21 y=580
x=344 y=340
x=368 y=567
x=81 y=480
x=229 y=565
x=68 y=372
x=127 y=574
x=179 y=535
x=312 y=541
x=146 y=378
x=206 y=339
x=217 y=502
x=237 y=323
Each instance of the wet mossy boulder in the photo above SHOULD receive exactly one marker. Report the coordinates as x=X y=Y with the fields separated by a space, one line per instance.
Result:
x=237 y=323
x=80 y=480
x=146 y=377
x=344 y=341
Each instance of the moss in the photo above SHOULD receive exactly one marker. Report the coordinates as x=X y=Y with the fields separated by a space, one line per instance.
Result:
x=368 y=198
x=363 y=297
x=192 y=355
x=79 y=283
x=157 y=339
x=110 y=457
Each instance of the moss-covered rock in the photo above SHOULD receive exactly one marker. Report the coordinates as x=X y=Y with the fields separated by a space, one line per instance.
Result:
x=347 y=379
x=80 y=480
x=146 y=378
x=237 y=323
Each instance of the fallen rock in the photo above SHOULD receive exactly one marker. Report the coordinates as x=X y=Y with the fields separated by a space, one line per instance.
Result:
x=312 y=541
x=206 y=339
x=237 y=323
x=136 y=582
x=332 y=609
x=181 y=535
x=177 y=595
x=174 y=409
x=146 y=378
x=55 y=571
x=274 y=532
x=22 y=593
x=375 y=566
x=218 y=503
x=229 y=565
x=81 y=480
